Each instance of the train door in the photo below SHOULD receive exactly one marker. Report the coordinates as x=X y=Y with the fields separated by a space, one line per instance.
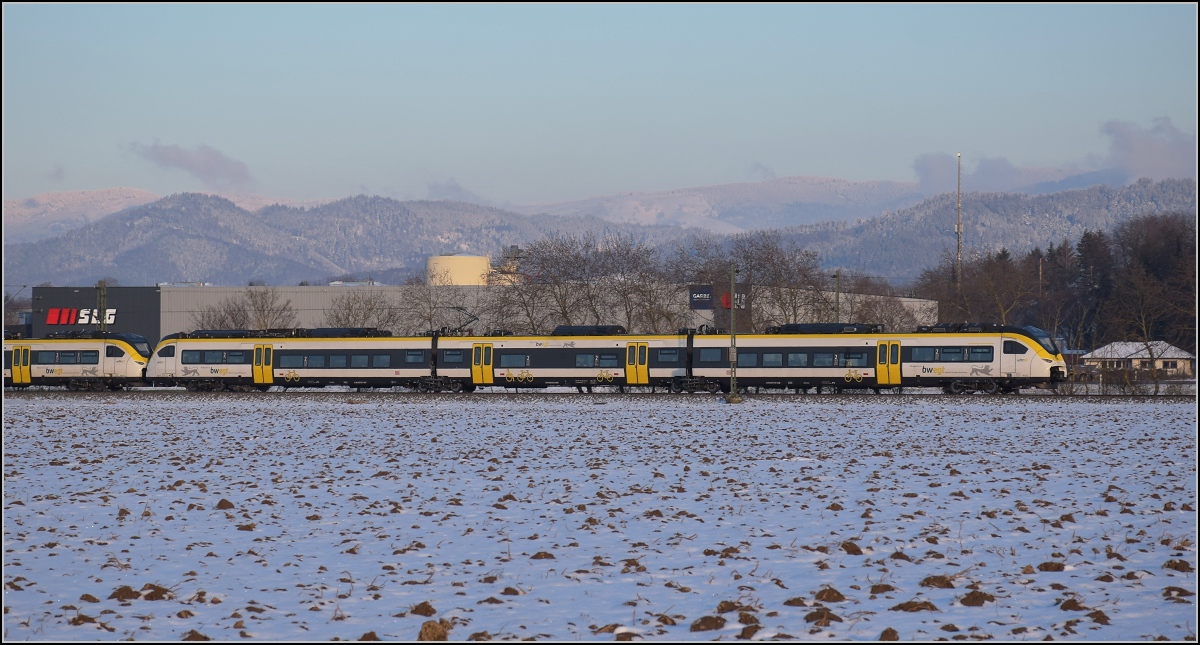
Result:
x=264 y=374
x=481 y=364
x=887 y=364
x=25 y=374
x=637 y=369
x=1015 y=359
x=20 y=365
x=115 y=360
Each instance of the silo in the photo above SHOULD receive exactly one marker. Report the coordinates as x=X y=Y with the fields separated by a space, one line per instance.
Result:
x=464 y=270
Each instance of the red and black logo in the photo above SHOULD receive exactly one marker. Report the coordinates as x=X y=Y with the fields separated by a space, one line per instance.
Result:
x=59 y=316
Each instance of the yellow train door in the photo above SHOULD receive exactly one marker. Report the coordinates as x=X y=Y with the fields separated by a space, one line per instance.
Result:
x=481 y=364
x=894 y=363
x=887 y=364
x=20 y=373
x=637 y=369
x=264 y=374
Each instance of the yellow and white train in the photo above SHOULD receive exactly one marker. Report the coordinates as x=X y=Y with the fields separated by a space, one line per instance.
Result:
x=957 y=358
x=90 y=360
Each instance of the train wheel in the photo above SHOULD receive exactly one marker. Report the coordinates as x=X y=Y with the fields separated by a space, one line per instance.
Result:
x=990 y=387
x=676 y=386
x=958 y=387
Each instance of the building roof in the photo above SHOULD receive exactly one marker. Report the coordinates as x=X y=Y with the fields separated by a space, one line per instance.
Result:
x=1134 y=350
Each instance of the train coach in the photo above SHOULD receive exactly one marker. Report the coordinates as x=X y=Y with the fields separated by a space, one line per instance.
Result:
x=957 y=358
x=77 y=360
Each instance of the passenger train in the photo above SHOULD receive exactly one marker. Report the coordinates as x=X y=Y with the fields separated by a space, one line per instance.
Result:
x=958 y=358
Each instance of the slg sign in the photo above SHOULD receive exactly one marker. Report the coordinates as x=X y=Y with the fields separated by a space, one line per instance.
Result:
x=64 y=316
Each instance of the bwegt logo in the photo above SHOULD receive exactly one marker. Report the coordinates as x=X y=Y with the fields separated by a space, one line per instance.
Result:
x=80 y=316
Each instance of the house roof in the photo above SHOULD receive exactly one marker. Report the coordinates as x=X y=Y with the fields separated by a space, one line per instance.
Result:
x=1133 y=350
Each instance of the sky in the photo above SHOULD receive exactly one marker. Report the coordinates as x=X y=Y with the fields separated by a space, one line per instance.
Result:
x=307 y=516
x=531 y=104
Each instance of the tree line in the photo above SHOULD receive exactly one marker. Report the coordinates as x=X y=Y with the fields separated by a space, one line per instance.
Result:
x=590 y=279
x=1137 y=283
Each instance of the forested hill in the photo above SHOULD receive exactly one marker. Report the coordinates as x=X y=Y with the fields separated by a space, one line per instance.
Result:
x=899 y=245
x=202 y=238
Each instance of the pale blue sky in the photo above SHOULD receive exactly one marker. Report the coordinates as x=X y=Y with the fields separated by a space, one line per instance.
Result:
x=530 y=103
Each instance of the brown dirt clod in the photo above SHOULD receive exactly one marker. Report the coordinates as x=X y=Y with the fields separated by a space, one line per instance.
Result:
x=432 y=630
x=829 y=594
x=707 y=624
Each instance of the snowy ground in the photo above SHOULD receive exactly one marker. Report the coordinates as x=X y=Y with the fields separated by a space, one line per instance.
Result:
x=292 y=516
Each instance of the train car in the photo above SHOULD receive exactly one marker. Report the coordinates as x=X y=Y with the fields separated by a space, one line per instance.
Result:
x=957 y=358
x=244 y=360
x=574 y=356
x=77 y=360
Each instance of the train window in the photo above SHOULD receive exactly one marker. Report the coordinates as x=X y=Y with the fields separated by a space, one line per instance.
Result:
x=476 y=354
x=338 y=360
x=112 y=351
x=513 y=360
x=608 y=360
x=67 y=358
x=710 y=354
x=797 y=360
x=487 y=355
x=1013 y=347
x=291 y=361
x=748 y=359
x=381 y=360
x=89 y=358
x=213 y=356
x=882 y=355
x=237 y=357
x=668 y=355
x=585 y=360
x=414 y=356
x=452 y=356
x=856 y=359
x=358 y=360
x=166 y=352
x=642 y=351
x=980 y=354
x=190 y=357
x=632 y=355
x=953 y=355
x=314 y=360
x=824 y=359
x=924 y=354
x=7 y=360
x=895 y=353
x=44 y=358
x=773 y=360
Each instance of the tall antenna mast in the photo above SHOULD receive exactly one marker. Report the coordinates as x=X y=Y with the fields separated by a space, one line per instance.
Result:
x=958 y=230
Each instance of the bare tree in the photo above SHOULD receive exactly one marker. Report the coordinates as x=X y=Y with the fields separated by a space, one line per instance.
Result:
x=266 y=311
x=364 y=308
x=230 y=313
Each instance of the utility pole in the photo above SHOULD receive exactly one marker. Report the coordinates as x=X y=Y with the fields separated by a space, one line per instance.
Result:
x=102 y=305
x=837 y=296
x=958 y=231
x=733 y=396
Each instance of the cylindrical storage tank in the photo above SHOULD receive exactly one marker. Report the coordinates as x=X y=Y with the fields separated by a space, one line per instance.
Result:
x=463 y=270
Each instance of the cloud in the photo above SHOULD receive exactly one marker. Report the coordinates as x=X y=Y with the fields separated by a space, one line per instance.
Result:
x=1159 y=152
x=57 y=174
x=761 y=172
x=215 y=170
x=450 y=190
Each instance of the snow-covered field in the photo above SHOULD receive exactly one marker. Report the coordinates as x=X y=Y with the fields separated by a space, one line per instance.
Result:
x=293 y=516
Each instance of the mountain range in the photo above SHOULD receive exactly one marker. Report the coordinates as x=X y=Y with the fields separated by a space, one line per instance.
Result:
x=878 y=228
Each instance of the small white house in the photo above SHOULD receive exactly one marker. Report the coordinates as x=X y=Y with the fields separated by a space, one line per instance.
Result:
x=1156 y=355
